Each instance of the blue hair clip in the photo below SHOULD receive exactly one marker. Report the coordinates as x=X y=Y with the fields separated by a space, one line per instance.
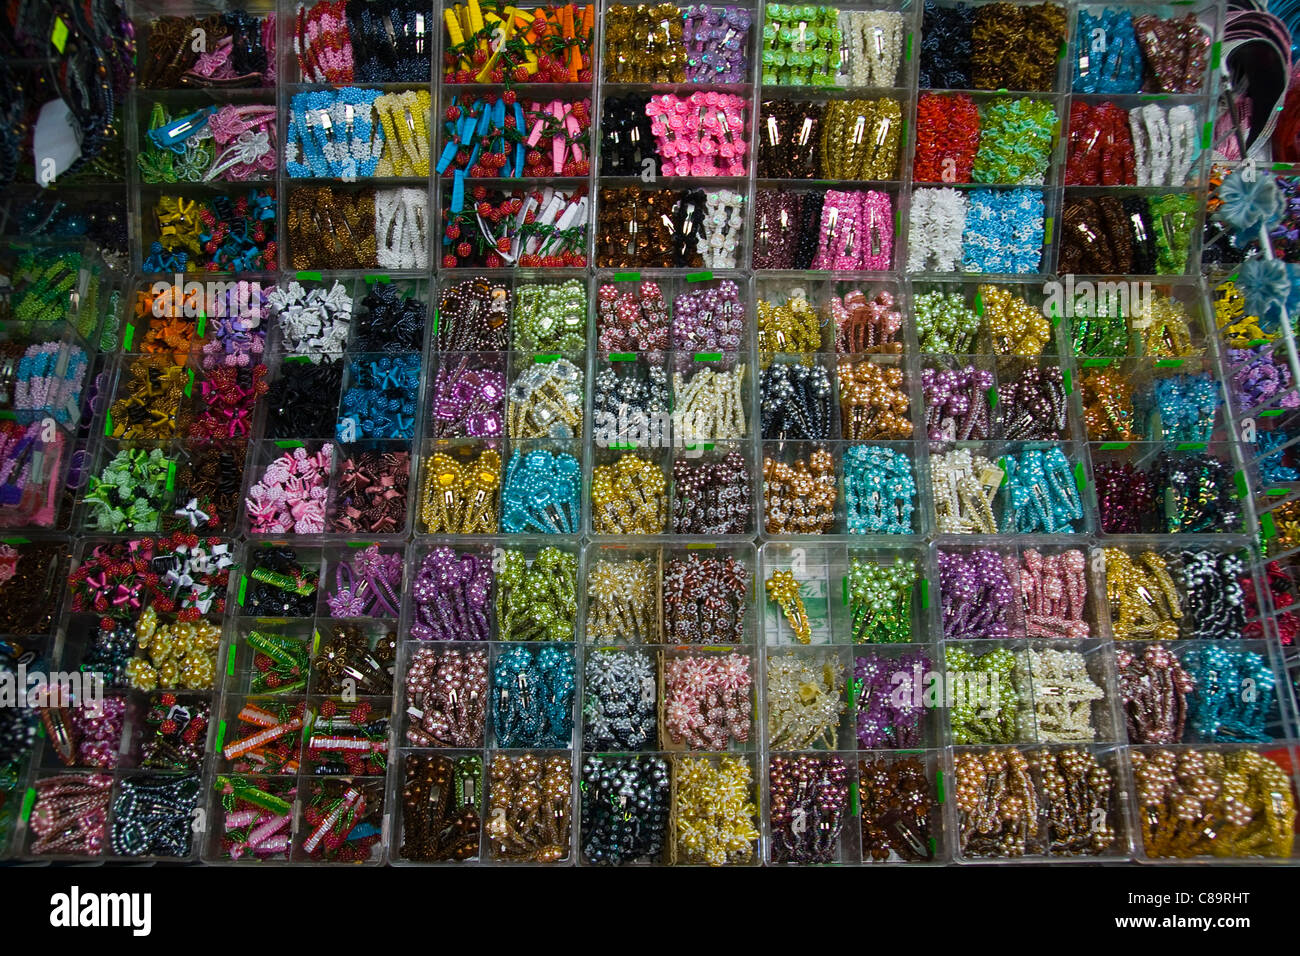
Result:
x=174 y=134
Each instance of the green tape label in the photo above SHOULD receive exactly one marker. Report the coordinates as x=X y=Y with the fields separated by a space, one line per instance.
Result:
x=708 y=356
x=1216 y=54
x=288 y=443
x=1048 y=225
x=625 y=277
x=1270 y=413
x=243 y=588
x=1096 y=362
x=938 y=786
x=1114 y=445
x=230 y=662
x=1277 y=492
x=908 y=52
x=108 y=424
x=128 y=338
x=844 y=589
x=1169 y=363
x=923 y=591
x=29 y=798
x=297 y=359
x=1080 y=479
x=1068 y=379
x=15 y=540
x=1240 y=479
x=699 y=277
x=189 y=382
x=309 y=277
x=171 y=475
x=202 y=325
x=548 y=357
x=993 y=396
x=1207 y=135
x=1266 y=526
x=435 y=321
x=59 y=37
x=221 y=736
x=979 y=304
x=853 y=798
x=622 y=356
x=371 y=280
x=1190 y=446
x=704 y=545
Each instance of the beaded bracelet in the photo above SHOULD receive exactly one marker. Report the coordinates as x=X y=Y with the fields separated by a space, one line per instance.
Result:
x=965 y=486
x=1054 y=802
x=1016 y=139
x=856 y=232
x=70 y=814
x=1242 y=797
x=1036 y=32
x=947 y=138
x=239 y=51
x=539 y=493
x=795 y=402
x=861 y=139
x=1055 y=593
x=645 y=44
x=1107 y=57
x=626 y=137
x=1100 y=150
x=545 y=401
x=865 y=325
x=1154 y=688
x=711 y=498
x=617 y=829
x=946 y=47
x=896 y=800
x=805 y=701
x=629 y=496
x=472 y=316
x=153 y=816
x=1003 y=231
x=976 y=595
x=519 y=831
x=619 y=701
x=879 y=490
x=801 y=45
x=290 y=495
x=468 y=399
x=621 y=599
x=799 y=497
x=936 y=225
x=701 y=134
x=537 y=600
x=1041 y=495
x=541 y=228
x=532 y=697
x=632 y=321
x=880 y=601
x=334 y=42
x=985 y=711
x=808 y=806
x=630 y=406
x=1218 y=710
x=549 y=44
x=1063 y=693
x=1032 y=407
x=331 y=227
x=707 y=700
x=440 y=799
x=446 y=697
x=889 y=711
x=550 y=317
x=704 y=600
x=709 y=405
x=459 y=495
x=714 y=811
x=501 y=137
x=451 y=592
x=874 y=403
x=302 y=401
